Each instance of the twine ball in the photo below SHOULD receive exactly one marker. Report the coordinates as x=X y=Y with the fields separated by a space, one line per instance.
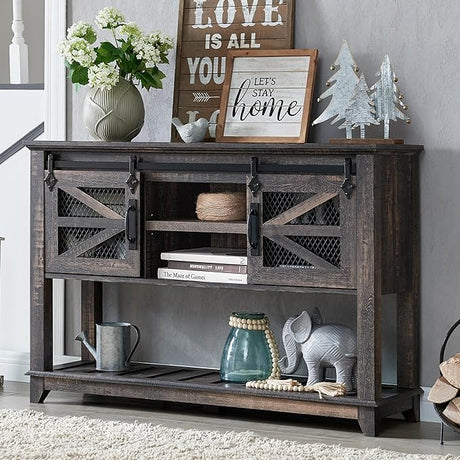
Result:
x=228 y=206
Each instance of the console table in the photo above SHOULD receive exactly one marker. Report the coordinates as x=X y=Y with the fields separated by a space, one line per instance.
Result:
x=321 y=219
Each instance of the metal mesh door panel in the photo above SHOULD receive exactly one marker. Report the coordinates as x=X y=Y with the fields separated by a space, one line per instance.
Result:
x=113 y=248
x=69 y=206
x=113 y=198
x=328 y=248
x=276 y=203
x=69 y=237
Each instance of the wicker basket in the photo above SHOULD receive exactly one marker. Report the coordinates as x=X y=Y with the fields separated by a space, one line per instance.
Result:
x=228 y=206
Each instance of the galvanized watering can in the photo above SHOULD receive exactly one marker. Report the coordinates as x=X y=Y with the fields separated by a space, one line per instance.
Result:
x=113 y=345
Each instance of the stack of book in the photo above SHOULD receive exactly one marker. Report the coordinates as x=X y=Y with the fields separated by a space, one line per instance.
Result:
x=208 y=265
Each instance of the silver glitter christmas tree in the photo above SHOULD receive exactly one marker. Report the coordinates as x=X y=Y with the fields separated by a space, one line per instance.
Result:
x=361 y=111
x=387 y=98
x=341 y=87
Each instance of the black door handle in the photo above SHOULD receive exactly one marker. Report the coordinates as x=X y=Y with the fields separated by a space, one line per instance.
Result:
x=253 y=229
x=131 y=224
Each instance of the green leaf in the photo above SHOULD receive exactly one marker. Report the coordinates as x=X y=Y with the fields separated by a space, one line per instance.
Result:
x=79 y=75
x=143 y=78
x=107 y=52
x=149 y=79
x=125 y=46
x=155 y=76
x=124 y=65
x=160 y=74
x=74 y=65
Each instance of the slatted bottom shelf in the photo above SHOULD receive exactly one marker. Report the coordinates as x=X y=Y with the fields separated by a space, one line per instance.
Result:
x=203 y=386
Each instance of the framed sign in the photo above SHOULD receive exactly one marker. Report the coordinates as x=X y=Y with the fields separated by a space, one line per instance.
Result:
x=267 y=96
x=208 y=29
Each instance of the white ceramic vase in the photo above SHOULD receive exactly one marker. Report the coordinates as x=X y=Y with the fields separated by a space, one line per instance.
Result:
x=114 y=115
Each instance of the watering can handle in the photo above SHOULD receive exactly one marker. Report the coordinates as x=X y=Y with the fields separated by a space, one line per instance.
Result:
x=138 y=332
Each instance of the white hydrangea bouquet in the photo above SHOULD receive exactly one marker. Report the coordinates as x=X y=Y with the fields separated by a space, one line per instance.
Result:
x=134 y=56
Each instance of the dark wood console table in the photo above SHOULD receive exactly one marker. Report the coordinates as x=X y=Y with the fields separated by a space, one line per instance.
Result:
x=103 y=212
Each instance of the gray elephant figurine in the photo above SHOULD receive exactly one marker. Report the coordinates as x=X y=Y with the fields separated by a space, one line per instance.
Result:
x=321 y=345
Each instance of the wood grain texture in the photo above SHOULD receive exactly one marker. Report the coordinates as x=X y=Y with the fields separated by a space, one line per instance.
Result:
x=162 y=282
x=91 y=313
x=369 y=140
x=206 y=32
x=442 y=391
x=280 y=229
x=84 y=211
x=378 y=229
x=267 y=96
x=408 y=300
x=41 y=295
x=170 y=151
x=390 y=230
x=196 y=226
x=203 y=386
x=369 y=421
x=369 y=254
x=302 y=230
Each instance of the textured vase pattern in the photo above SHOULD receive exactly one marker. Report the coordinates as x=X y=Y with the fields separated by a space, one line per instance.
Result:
x=116 y=114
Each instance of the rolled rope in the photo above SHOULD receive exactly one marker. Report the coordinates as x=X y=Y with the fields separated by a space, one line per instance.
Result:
x=228 y=206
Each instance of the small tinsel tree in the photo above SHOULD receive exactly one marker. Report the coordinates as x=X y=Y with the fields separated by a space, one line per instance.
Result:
x=387 y=98
x=361 y=111
x=341 y=86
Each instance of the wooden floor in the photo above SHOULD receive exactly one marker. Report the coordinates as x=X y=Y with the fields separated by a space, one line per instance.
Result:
x=397 y=435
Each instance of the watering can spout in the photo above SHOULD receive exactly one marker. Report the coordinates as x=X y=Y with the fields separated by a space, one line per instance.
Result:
x=81 y=337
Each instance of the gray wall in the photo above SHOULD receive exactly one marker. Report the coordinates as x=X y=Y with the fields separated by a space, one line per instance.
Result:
x=34 y=23
x=189 y=326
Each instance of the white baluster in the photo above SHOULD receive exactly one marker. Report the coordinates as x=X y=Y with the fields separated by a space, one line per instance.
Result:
x=19 y=54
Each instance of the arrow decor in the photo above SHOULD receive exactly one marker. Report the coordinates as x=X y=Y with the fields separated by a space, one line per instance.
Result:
x=203 y=97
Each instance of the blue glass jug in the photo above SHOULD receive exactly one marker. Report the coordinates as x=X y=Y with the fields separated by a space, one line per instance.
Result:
x=247 y=355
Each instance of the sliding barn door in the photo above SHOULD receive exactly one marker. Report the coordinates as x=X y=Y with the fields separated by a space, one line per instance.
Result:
x=92 y=224
x=303 y=232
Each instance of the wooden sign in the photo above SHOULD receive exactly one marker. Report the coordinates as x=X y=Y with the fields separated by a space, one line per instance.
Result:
x=208 y=29
x=267 y=96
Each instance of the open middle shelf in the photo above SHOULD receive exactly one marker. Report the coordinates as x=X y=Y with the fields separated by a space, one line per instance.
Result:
x=196 y=226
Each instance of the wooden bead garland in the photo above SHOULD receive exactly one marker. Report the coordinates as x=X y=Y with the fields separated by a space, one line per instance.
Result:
x=262 y=324
x=327 y=388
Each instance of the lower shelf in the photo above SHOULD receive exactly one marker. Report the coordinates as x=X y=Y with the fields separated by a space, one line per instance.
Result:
x=203 y=386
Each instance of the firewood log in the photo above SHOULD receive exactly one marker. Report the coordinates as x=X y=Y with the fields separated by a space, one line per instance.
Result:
x=452 y=411
x=442 y=391
x=450 y=369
